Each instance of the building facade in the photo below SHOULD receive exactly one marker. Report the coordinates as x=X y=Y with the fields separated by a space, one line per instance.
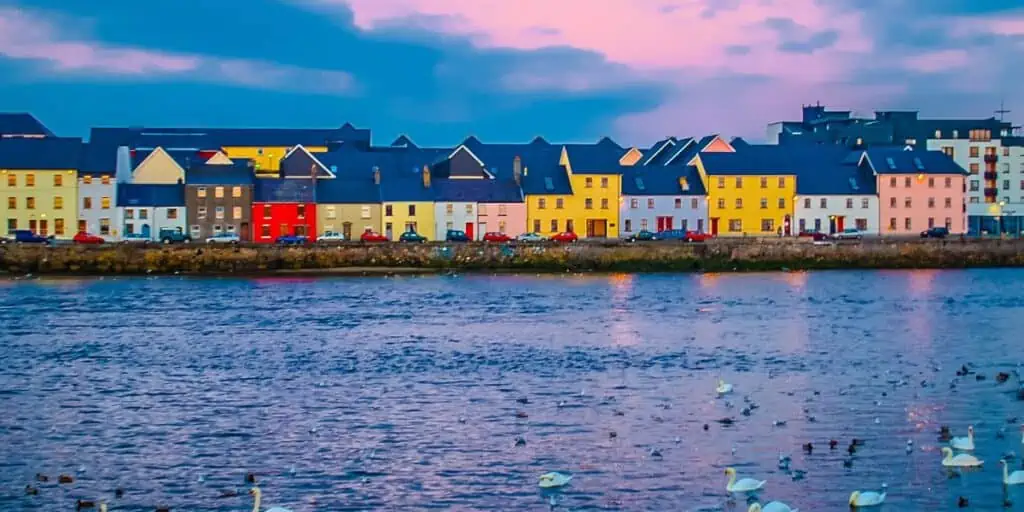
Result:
x=750 y=192
x=219 y=199
x=657 y=200
x=917 y=190
x=39 y=185
x=148 y=210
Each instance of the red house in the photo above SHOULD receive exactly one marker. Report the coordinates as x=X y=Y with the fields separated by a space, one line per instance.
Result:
x=286 y=205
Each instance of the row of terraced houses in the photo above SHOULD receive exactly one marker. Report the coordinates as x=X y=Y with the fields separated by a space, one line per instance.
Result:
x=264 y=183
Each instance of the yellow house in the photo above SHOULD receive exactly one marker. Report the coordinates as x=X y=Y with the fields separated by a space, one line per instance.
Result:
x=156 y=167
x=407 y=204
x=39 y=185
x=750 y=192
x=594 y=172
x=350 y=203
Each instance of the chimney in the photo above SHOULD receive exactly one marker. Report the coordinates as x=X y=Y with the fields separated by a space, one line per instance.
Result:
x=376 y=175
x=426 y=177
x=517 y=169
x=683 y=184
x=123 y=168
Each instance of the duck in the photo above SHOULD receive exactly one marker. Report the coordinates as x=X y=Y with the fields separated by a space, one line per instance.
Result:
x=1015 y=478
x=965 y=444
x=553 y=480
x=867 y=498
x=723 y=387
x=65 y=479
x=257 y=495
x=744 y=484
x=962 y=460
x=84 y=504
x=774 y=506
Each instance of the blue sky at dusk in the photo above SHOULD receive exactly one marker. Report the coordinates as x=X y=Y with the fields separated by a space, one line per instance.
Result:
x=503 y=70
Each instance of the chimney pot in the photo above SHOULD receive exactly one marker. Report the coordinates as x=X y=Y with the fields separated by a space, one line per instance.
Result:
x=517 y=169
x=426 y=177
x=376 y=175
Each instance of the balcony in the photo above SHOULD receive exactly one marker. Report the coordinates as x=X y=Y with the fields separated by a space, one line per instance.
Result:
x=991 y=158
x=991 y=192
x=991 y=175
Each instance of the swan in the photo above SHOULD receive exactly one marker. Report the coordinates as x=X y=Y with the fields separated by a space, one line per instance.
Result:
x=743 y=485
x=964 y=443
x=775 y=506
x=1015 y=478
x=103 y=507
x=867 y=498
x=723 y=387
x=554 y=479
x=960 y=461
x=257 y=495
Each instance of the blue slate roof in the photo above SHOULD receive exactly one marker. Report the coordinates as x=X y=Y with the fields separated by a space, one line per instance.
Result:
x=662 y=181
x=832 y=170
x=402 y=179
x=353 y=182
x=478 y=190
x=541 y=172
x=739 y=142
x=897 y=161
x=663 y=150
x=240 y=172
x=753 y=160
x=49 y=153
x=284 y=190
x=22 y=123
x=595 y=158
x=137 y=195
x=184 y=157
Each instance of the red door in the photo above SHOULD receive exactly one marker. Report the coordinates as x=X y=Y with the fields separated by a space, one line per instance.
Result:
x=714 y=227
x=664 y=223
x=469 y=230
x=839 y=223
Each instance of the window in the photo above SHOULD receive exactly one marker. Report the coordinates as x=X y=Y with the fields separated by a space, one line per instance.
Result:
x=949 y=183
x=12 y=180
x=129 y=229
x=449 y=208
x=104 y=226
x=143 y=213
x=469 y=208
x=892 y=202
x=678 y=202
x=86 y=203
x=588 y=182
x=739 y=182
x=949 y=223
x=604 y=182
x=104 y=203
x=948 y=150
x=948 y=203
x=482 y=208
x=907 y=202
x=807 y=202
x=782 y=202
x=764 y=182
x=201 y=192
x=30 y=180
x=300 y=211
x=803 y=225
x=172 y=213
x=236 y=191
x=30 y=203
x=449 y=225
x=782 y=182
x=684 y=224
x=938 y=134
x=694 y=203
x=892 y=182
x=931 y=182
x=767 y=225
x=264 y=231
x=266 y=211
x=764 y=203
x=892 y=224
x=862 y=224
x=906 y=182
x=974 y=185
x=931 y=222
x=58 y=226
x=1006 y=184
x=536 y=226
x=650 y=204
x=282 y=229
x=628 y=225
x=973 y=200
x=559 y=203
x=1006 y=151
x=974 y=168
x=864 y=203
x=554 y=225
x=588 y=203
x=502 y=210
x=129 y=213
x=12 y=203
x=82 y=226
x=604 y=203
x=365 y=212
x=974 y=151
x=105 y=180
x=721 y=182
x=721 y=203
x=200 y=212
x=823 y=203
x=849 y=202
x=735 y=225
x=635 y=203
x=236 y=212
x=332 y=212
x=907 y=224
x=931 y=202
x=58 y=181
x=817 y=225
x=541 y=204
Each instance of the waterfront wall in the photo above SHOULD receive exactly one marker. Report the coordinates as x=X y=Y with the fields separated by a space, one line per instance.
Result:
x=612 y=257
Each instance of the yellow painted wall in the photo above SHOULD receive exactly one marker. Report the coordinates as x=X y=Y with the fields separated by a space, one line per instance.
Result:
x=44 y=193
x=266 y=158
x=424 y=218
x=544 y=208
x=724 y=191
x=158 y=168
x=332 y=217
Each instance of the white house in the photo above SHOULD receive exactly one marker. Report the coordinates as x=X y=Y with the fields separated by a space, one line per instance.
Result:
x=832 y=197
x=657 y=199
x=148 y=209
x=97 y=205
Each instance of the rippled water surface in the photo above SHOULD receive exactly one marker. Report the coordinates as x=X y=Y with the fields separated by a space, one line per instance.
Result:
x=407 y=393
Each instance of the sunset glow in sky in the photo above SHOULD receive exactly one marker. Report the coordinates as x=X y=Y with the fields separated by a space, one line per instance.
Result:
x=504 y=70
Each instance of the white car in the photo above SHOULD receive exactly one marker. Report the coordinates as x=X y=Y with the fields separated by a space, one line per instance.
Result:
x=224 y=238
x=848 y=234
x=531 y=237
x=330 y=236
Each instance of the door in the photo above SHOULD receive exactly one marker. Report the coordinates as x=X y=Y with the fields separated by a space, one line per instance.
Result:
x=346 y=229
x=664 y=223
x=145 y=230
x=32 y=226
x=714 y=226
x=469 y=231
x=700 y=225
x=831 y=225
x=597 y=228
x=570 y=226
x=388 y=231
x=243 y=232
x=840 y=223
x=42 y=228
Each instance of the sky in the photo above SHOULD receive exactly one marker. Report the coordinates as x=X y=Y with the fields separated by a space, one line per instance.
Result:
x=505 y=70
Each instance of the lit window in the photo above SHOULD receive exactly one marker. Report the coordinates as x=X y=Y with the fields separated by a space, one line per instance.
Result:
x=172 y=213
x=218 y=213
x=469 y=208
x=481 y=209
x=559 y=203
x=236 y=212
x=201 y=192
x=604 y=182
x=58 y=203
x=12 y=180
x=12 y=202
x=365 y=213
x=30 y=203
x=502 y=210
x=105 y=203
x=105 y=180
x=30 y=180
x=58 y=226
x=236 y=191
x=218 y=192
x=201 y=212
x=449 y=208
x=58 y=180
x=650 y=204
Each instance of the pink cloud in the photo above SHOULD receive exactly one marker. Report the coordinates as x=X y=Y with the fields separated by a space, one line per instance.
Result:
x=939 y=61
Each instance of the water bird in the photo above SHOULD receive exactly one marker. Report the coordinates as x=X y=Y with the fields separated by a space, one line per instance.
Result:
x=83 y=504
x=944 y=433
x=613 y=434
x=103 y=507
x=910 y=445
x=520 y=441
x=706 y=427
x=848 y=462
x=779 y=423
x=678 y=440
x=257 y=495
x=832 y=444
x=31 y=491
x=774 y=506
x=554 y=479
x=725 y=421
x=867 y=498
x=250 y=478
x=229 y=493
x=119 y=493
x=42 y=478
x=964 y=443
x=808 y=447
x=655 y=453
x=962 y=460
x=1002 y=377
x=962 y=502
x=65 y=479
x=523 y=400
x=784 y=461
x=723 y=387
x=963 y=371
x=522 y=414
x=799 y=475
x=742 y=485
x=1015 y=478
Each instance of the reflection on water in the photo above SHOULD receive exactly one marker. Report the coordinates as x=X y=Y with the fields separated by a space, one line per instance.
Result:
x=407 y=392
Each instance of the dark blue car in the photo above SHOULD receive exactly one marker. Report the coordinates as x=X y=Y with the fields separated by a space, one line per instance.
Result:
x=24 y=236
x=292 y=240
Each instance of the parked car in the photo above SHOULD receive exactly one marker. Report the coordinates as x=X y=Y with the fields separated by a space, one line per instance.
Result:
x=84 y=238
x=135 y=238
x=682 y=235
x=564 y=237
x=530 y=237
x=372 y=236
x=291 y=240
x=412 y=237
x=849 y=234
x=936 y=232
x=496 y=237
x=224 y=238
x=643 y=236
x=454 y=235
x=25 y=236
x=330 y=236
x=174 y=236
x=697 y=236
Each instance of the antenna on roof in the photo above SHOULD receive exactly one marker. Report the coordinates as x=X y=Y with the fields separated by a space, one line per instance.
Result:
x=1002 y=110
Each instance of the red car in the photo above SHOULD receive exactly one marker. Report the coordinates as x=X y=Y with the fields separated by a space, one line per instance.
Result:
x=86 y=239
x=564 y=237
x=496 y=237
x=696 y=236
x=816 y=236
x=372 y=236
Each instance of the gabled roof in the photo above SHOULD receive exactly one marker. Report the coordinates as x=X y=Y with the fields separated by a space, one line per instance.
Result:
x=680 y=153
x=353 y=182
x=143 y=195
x=299 y=155
x=662 y=181
x=539 y=141
x=608 y=142
x=595 y=158
x=402 y=177
x=657 y=150
x=283 y=190
x=50 y=153
x=403 y=141
x=898 y=161
x=831 y=170
x=185 y=158
x=240 y=172
x=738 y=143
x=22 y=124
x=753 y=160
